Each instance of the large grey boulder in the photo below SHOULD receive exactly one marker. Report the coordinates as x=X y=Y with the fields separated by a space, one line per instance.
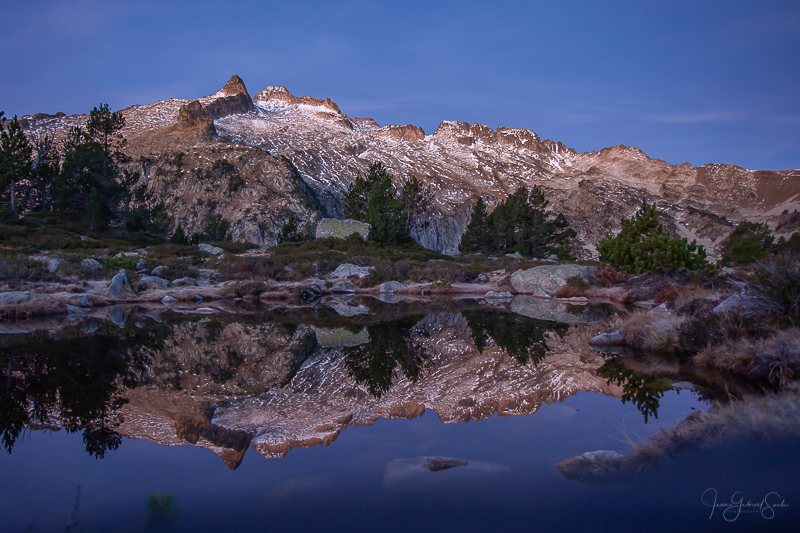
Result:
x=347 y=270
x=159 y=270
x=90 y=265
x=213 y=250
x=601 y=467
x=545 y=280
x=391 y=286
x=118 y=286
x=341 y=229
x=736 y=303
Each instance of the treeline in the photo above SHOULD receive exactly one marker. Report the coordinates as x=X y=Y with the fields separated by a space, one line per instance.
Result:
x=84 y=173
x=519 y=224
x=643 y=246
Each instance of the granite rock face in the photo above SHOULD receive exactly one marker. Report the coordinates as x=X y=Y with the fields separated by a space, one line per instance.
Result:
x=545 y=280
x=341 y=229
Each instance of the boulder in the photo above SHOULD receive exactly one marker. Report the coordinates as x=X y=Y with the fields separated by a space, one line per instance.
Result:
x=515 y=255
x=79 y=300
x=52 y=262
x=545 y=280
x=434 y=464
x=187 y=280
x=118 y=286
x=213 y=250
x=141 y=263
x=90 y=265
x=159 y=270
x=15 y=297
x=341 y=229
x=601 y=467
x=347 y=270
x=168 y=300
x=735 y=303
x=614 y=338
x=155 y=281
x=391 y=286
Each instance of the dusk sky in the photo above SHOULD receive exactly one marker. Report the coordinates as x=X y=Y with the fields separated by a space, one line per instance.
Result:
x=696 y=81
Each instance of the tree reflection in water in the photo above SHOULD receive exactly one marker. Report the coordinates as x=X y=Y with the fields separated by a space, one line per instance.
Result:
x=644 y=390
x=523 y=338
x=392 y=344
x=74 y=383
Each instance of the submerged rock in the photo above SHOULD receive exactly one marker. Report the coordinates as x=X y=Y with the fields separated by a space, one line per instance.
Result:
x=434 y=464
x=601 y=467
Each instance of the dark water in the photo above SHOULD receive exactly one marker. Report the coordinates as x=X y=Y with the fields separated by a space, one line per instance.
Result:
x=78 y=382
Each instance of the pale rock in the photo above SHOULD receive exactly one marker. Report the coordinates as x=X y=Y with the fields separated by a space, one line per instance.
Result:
x=213 y=250
x=347 y=270
x=547 y=278
x=391 y=286
x=341 y=229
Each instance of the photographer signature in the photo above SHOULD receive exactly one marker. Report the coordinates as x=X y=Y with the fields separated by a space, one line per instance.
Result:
x=738 y=506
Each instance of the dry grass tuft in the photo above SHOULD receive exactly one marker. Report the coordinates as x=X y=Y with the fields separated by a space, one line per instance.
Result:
x=654 y=332
x=769 y=416
x=774 y=359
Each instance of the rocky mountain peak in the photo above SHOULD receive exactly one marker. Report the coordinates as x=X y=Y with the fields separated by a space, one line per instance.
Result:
x=235 y=86
x=282 y=94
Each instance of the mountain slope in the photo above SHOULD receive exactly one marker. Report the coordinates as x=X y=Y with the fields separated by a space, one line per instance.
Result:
x=265 y=139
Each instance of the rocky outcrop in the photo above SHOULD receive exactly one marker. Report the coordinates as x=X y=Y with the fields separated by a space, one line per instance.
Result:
x=545 y=280
x=407 y=133
x=230 y=100
x=341 y=229
x=281 y=94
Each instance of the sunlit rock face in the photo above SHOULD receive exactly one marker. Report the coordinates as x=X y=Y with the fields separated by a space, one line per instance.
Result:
x=299 y=154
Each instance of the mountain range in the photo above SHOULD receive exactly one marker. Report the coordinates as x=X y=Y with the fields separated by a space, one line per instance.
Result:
x=253 y=161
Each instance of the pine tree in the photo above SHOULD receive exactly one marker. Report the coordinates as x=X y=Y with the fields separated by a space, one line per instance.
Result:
x=519 y=224
x=476 y=237
x=417 y=200
x=102 y=125
x=642 y=246
x=15 y=157
x=373 y=199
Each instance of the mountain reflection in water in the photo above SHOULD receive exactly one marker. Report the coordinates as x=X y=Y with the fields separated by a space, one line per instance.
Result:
x=221 y=382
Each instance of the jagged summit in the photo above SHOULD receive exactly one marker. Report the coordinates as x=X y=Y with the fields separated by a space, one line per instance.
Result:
x=234 y=86
x=281 y=94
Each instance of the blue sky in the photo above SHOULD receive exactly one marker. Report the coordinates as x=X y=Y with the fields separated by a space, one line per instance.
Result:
x=699 y=81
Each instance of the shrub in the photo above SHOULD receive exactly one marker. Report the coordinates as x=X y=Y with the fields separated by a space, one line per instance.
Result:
x=747 y=243
x=642 y=246
x=575 y=286
x=774 y=285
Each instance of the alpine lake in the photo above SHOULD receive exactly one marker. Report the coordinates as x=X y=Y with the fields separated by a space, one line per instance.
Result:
x=367 y=414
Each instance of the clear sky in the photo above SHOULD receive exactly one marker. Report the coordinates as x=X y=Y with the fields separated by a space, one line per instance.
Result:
x=698 y=81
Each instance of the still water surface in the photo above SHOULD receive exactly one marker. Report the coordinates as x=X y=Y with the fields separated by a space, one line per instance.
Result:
x=375 y=387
